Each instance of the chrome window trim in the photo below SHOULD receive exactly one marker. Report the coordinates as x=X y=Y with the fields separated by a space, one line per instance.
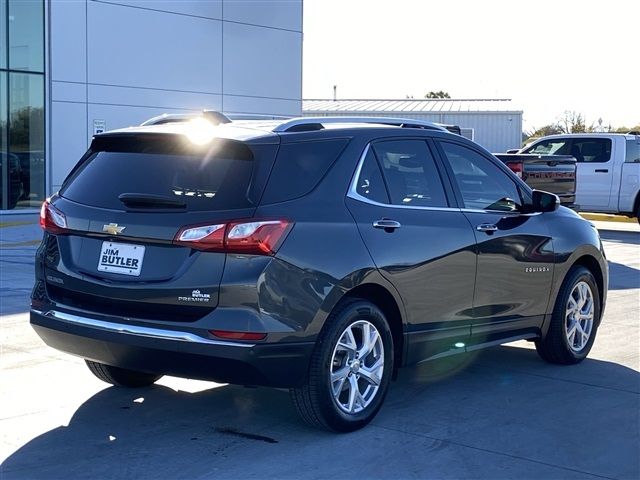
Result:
x=353 y=194
x=353 y=191
x=499 y=212
x=138 y=331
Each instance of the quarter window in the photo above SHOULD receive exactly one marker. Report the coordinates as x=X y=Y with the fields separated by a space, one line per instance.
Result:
x=370 y=184
x=410 y=173
x=633 y=150
x=483 y=185
x=300 y=167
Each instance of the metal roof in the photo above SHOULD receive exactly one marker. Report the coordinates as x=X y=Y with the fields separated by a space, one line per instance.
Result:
x=439 y=105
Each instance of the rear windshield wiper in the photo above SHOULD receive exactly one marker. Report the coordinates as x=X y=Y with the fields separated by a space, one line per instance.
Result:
x=147 y=200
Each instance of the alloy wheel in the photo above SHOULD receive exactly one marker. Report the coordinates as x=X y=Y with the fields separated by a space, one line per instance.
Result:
x=357 y=366
x=579 y=316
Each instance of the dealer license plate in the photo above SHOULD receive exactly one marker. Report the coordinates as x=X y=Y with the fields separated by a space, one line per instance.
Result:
x=122 y=258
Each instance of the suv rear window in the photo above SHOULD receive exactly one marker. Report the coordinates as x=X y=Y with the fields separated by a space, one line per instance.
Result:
x=214 y=179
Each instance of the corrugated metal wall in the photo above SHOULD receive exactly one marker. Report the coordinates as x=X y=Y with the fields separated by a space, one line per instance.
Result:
x=495 y=131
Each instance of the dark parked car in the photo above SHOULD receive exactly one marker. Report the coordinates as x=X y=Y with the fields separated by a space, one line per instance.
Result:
x=315 y=254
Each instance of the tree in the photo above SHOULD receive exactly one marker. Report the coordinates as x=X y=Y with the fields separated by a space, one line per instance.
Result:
x=627 y=129
x=438 y=94
x=551 y=129
x=572 y=122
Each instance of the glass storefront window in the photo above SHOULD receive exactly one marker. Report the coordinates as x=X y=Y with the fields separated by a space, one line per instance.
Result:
x=3 y=33
x=9 y=166
x=22 y=121
x=26 y=136
x=26 y=35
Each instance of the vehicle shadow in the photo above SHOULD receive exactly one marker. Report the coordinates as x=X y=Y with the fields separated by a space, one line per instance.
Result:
x=623 y=277
x=502 y=400
x=619 y=236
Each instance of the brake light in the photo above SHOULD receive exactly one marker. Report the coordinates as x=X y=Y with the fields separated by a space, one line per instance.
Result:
x=51 y=219
x=516 y=167
x=227 y=335
x=260 y=237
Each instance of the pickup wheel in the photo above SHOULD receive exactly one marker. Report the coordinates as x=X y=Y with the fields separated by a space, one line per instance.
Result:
x=574 y=321
x=121 y=377
x=350 y=369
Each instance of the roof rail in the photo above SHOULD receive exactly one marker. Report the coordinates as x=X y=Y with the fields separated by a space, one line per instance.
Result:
x=451 y=128
x=315 y=123
x=211 y=115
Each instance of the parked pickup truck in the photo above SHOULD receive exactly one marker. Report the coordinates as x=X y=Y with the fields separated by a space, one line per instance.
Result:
x=551 y=173
x=608 y=175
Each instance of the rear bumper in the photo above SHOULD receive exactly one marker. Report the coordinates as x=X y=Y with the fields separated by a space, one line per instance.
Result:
x=173 y=352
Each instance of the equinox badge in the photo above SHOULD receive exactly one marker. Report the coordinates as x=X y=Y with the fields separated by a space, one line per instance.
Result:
x=113 y=229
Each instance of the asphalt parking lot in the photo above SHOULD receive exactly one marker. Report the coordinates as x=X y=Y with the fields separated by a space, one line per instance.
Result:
x=502 y=413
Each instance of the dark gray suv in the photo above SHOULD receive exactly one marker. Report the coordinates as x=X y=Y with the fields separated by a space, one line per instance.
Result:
x=315 y=254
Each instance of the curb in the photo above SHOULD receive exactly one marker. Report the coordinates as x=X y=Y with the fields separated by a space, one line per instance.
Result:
x=604 y=217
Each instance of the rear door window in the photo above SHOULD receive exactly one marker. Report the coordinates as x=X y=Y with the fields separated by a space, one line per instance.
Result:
x=299 y=168
x=217 y=179
x=410 y=173
x=591 y=150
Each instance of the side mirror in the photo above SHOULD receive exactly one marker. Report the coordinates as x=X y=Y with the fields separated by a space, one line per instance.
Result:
x=544 y=201
x=513 y=150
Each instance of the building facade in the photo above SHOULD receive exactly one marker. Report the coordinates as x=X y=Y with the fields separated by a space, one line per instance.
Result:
x=495 y=124
x=71 y=68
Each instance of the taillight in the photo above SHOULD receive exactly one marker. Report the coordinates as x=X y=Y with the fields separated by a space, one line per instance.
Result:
x=206 y=237
x=51 y=219
x=516 y=167
x=260 y=237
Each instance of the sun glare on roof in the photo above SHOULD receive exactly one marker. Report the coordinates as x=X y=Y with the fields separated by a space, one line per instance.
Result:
x=201 y=131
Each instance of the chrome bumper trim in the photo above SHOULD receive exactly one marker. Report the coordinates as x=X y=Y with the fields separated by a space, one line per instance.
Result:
x=138 y=331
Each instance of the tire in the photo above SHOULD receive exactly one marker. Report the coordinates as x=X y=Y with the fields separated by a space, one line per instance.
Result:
x=121 y=377
x=568 y=342
x=316 y=402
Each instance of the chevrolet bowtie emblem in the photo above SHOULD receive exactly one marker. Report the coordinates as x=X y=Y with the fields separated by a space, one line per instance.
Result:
x=113 y=229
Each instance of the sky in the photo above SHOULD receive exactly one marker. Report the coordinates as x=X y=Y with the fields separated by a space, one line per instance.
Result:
x=547 y=56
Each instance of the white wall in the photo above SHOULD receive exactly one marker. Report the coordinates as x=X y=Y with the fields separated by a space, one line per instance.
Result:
x=495 y=131
x=128 y=60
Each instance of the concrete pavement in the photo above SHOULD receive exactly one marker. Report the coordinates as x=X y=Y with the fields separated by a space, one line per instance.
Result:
x=502 y=413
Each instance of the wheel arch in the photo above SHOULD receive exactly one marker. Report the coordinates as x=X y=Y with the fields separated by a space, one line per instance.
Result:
x=385 y=301
x=590 y=263
x=636 y=206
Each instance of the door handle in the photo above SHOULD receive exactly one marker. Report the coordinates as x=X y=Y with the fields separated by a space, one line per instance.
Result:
x=602 y=170
x=386 y=224
x=487 y=227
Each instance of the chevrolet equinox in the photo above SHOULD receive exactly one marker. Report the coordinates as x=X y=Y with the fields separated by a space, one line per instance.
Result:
x=313 y=254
